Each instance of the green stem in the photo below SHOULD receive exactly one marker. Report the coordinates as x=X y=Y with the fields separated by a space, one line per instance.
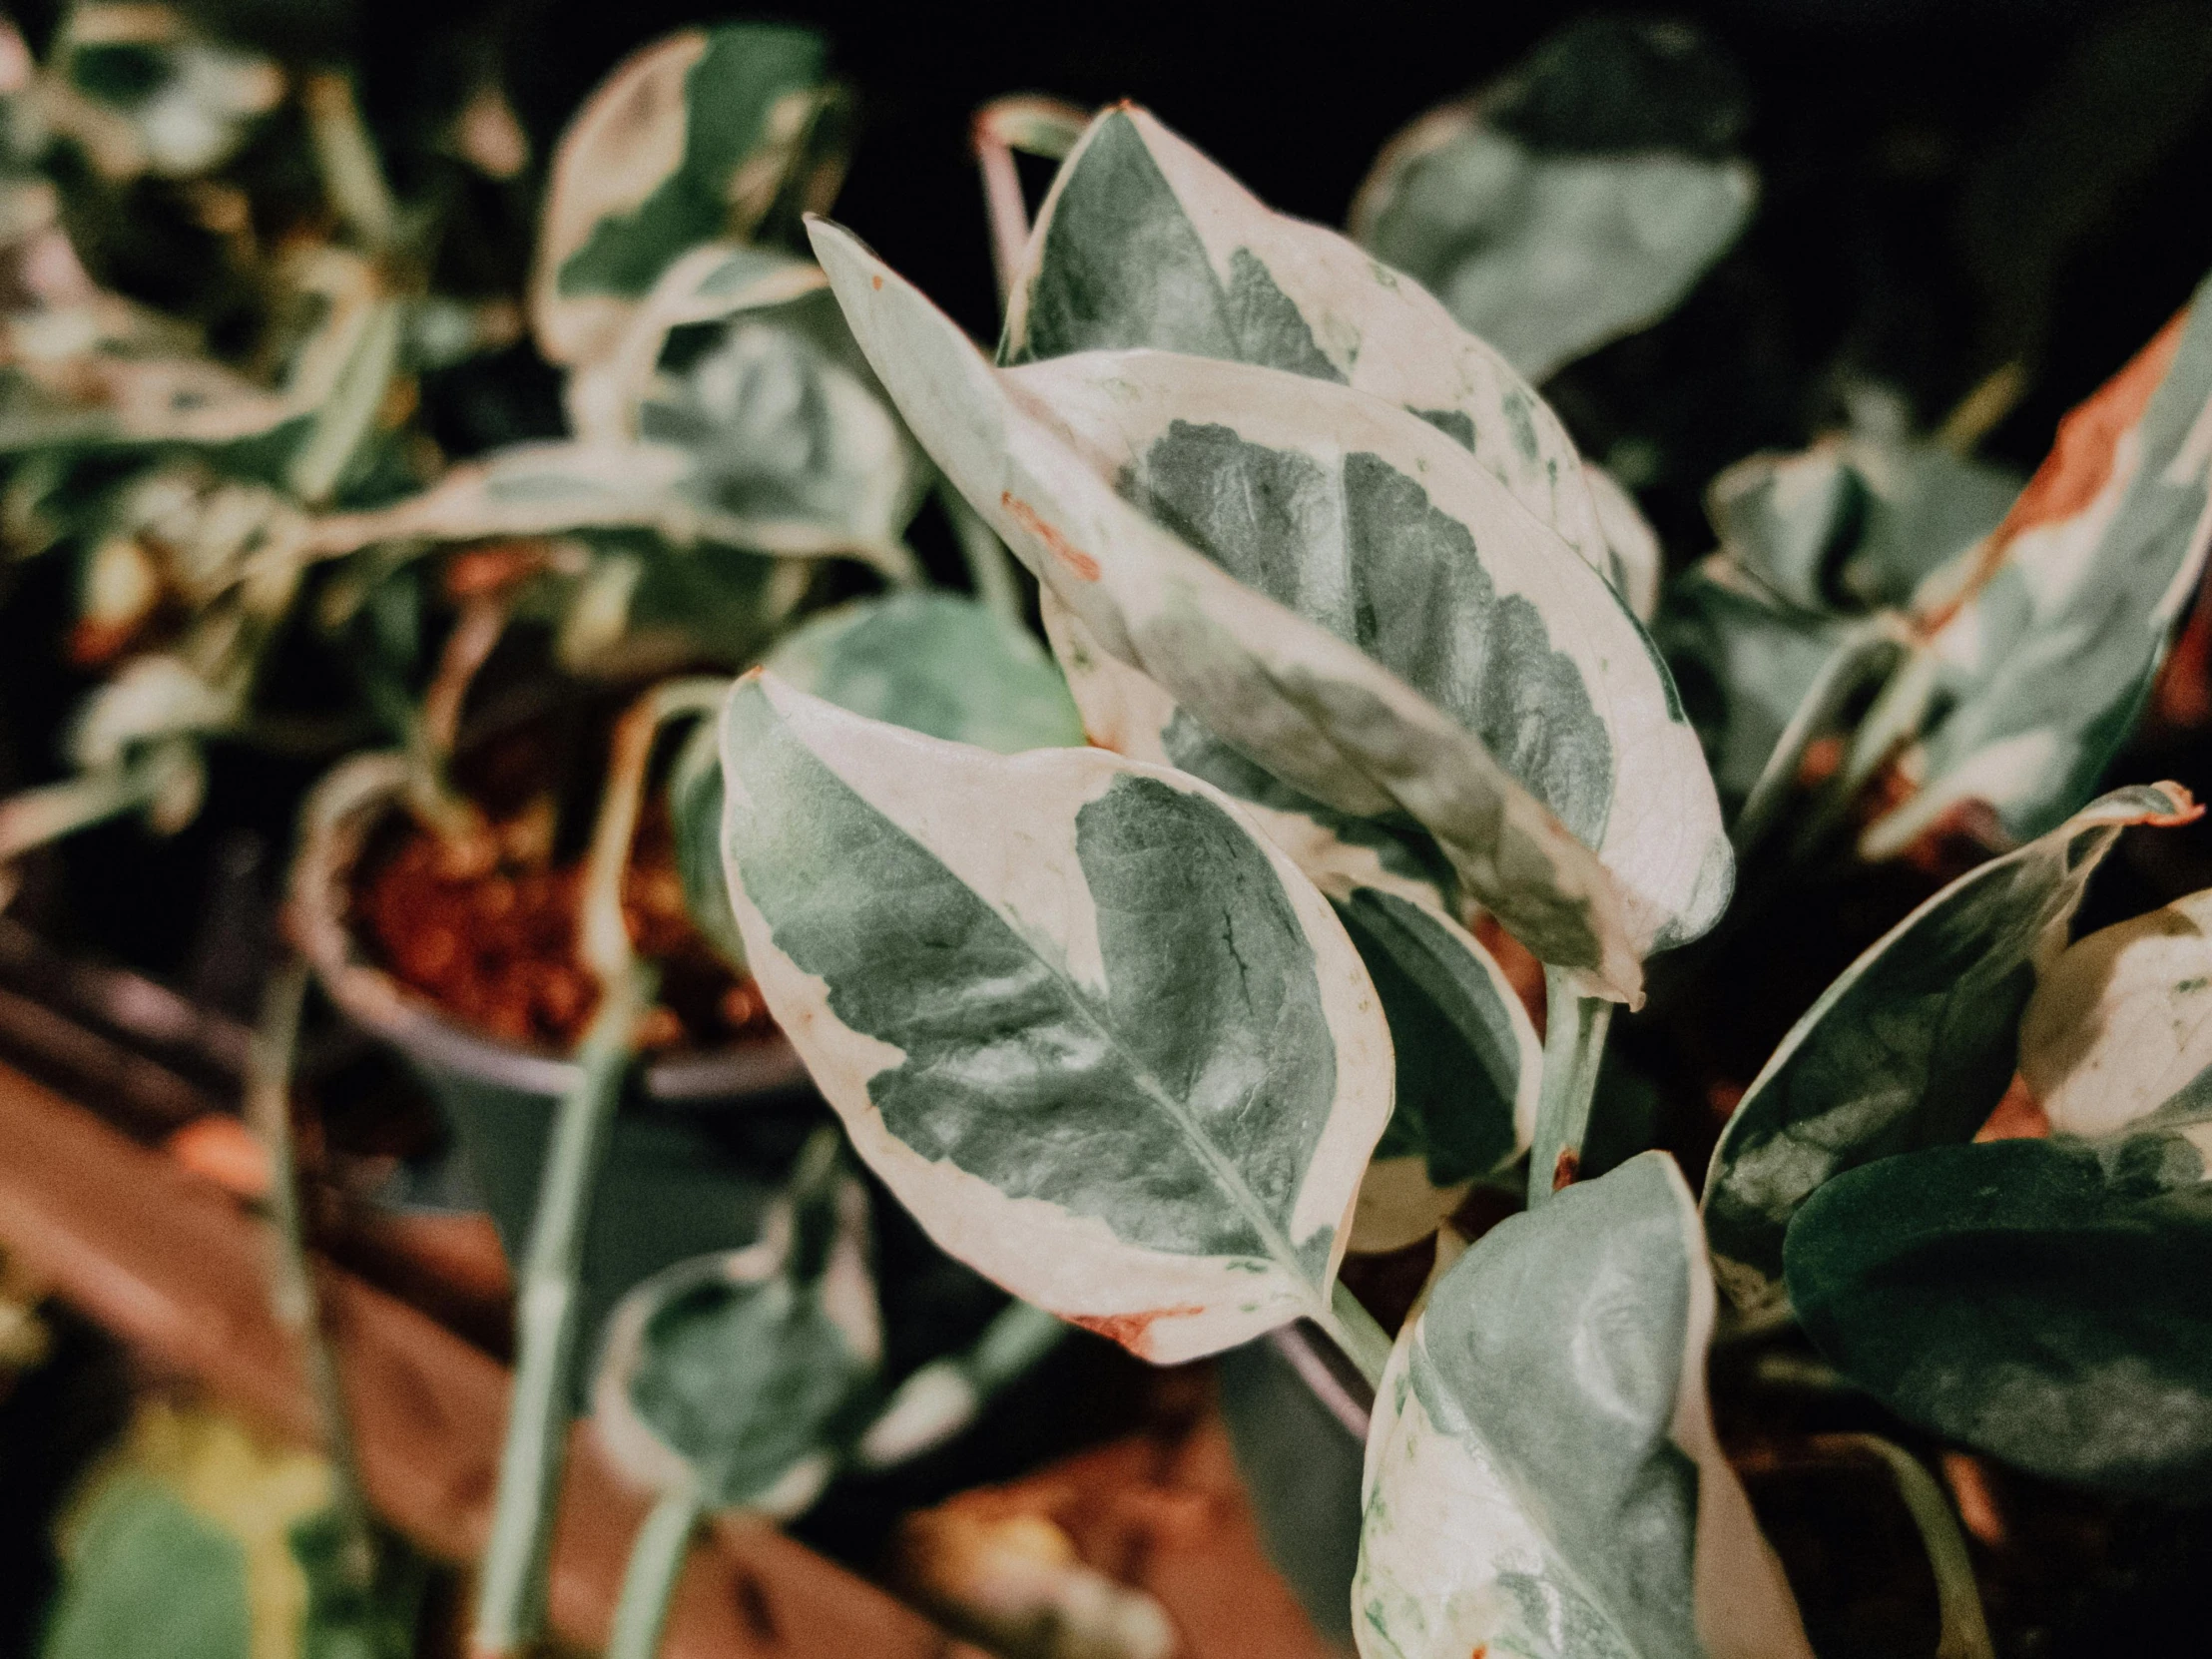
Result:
x=603 y=937
x=648 y=1582
x=345 y=156
x=510 y=1600
x=1962 y=1632
x=1353 y=1328
x=291 y=1291
x=1575 y=1042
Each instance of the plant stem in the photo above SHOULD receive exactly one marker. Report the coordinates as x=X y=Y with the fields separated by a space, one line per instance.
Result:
x=1036 y=127
x=510 y=1603
x=353 y=175
x=648 y=1582
x=603 y=937
x=291 y=1291
x=1575 y=1042
x=1353 y=1328
x=945 y=1396
x=1963 y=1631
x=50 y=812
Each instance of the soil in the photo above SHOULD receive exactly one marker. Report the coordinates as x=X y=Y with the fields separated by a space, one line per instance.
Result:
x=495 y=947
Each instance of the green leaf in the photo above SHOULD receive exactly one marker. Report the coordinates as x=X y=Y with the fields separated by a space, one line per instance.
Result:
x=689 y=141
x=1912 y=1046
x=2047 y=1302
x=695 y=810
x=1312 y=709
x=1470 y=1064
x=1105 y=1042
x=1542 y=1478
x=194 y=1540
x=1145 y=242
x=1858 y=521
x=1745 y=664
x=736 y=1374
x=1384 y=532
x=142 y=92
x=1540 y=225
x=2047 y=638
x=933 y=663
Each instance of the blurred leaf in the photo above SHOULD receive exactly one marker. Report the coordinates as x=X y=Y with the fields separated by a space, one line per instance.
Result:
x=933 y=663
x=1575 y=202
x=736 y=1375
x=689 y=141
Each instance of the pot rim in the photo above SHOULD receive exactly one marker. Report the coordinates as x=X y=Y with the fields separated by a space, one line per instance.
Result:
x=336 y=823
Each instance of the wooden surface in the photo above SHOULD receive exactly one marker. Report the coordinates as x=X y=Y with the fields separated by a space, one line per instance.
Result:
x=174 y=1268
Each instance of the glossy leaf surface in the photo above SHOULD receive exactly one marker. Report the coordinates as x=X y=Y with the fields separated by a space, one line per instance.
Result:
x=1103 y=1040
x=1145 y=242
x=1318 y=713
x=2047 y=1302
x=1381 y=530
x=1541 y=1477
x=1912 y=1046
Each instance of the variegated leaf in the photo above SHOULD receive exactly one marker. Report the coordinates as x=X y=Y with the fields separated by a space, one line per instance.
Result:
x=1858 y=521
x=2047 y=1302
x=1312 y=709
x=1541 y=217
x=85 y=367
x=2048 y=636
x=536 y=489
x=736 y=1375
x=1363 y=519
x=1542 y=1478
x=712 y=283
x=1912 y=1046
x=2044 y=1300
x=691 y=140
x=933 y=663
x=141 y=91
x=2119 y=1032
x=1145 y=242
x=1104 y=1041
x=1470 y=1064
x=1635 y=563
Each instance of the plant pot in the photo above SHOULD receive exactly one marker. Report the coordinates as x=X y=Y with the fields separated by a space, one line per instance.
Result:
x=1298 y=1417
x=697 y=1148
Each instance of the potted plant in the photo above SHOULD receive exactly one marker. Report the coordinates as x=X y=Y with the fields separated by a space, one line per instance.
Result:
x=1121 y=1027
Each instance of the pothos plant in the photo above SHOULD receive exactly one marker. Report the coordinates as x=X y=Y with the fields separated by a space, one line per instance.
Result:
x=1152 y=1030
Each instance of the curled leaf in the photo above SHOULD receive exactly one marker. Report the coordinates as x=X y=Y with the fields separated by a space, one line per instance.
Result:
x=1913 y=1045
x=1542 y=1477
